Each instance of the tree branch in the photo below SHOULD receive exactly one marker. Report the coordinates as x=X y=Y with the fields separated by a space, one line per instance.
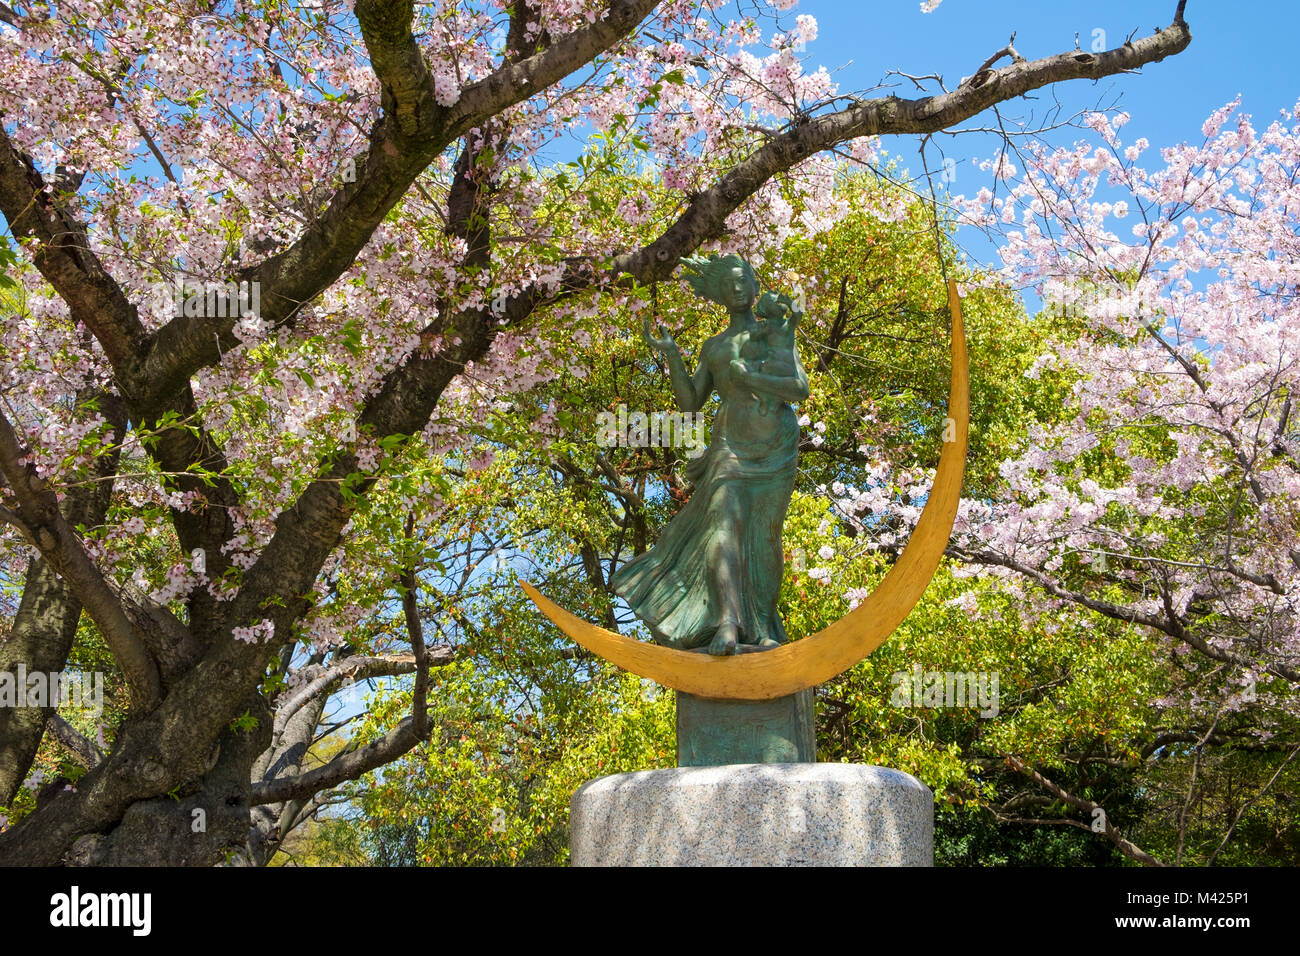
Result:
x=411 y=609
x=87 y=754
x=43 y=630
x=63 y=255
x=346 y=766
x=57 y=541
x=1250 y=803
x=355 y=668
x=1009 y=50
x=1167 y=625
x=705 y=214
x=1127 y=847
x=413 y=130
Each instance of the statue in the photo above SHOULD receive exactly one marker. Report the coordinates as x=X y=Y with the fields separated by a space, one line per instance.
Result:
x=712 y=580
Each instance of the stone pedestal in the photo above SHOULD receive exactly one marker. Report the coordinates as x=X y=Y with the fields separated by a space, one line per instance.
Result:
x=796 y=814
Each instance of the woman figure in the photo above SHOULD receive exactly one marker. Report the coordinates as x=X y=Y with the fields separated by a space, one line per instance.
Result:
x=713 y=578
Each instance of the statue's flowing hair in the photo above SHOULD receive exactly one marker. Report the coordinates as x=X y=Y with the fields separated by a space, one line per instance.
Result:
x=706 y=275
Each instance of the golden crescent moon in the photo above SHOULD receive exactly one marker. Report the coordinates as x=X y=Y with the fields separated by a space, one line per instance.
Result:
x=805 y=663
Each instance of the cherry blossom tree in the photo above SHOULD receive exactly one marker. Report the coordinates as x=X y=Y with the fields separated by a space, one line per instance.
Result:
x=272 y=266
x=1167 y=492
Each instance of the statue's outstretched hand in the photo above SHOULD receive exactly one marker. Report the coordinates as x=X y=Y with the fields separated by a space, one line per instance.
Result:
x=664 y=342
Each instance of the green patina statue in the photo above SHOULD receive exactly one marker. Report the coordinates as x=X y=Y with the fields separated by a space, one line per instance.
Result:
x=712 y=580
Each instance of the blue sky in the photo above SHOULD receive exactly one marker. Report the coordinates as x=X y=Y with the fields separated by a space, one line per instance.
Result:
x=1245 y=47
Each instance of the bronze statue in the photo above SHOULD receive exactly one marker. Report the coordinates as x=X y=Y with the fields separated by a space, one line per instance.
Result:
x=713 y=578
x=743 y=489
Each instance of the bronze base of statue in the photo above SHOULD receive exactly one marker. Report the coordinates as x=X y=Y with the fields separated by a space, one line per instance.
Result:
x=713 y=733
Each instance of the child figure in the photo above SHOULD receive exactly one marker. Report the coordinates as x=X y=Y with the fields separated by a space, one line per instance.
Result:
x=770 y=349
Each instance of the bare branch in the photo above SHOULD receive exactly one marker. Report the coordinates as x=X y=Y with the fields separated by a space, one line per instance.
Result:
x=1127 y=847
x=1169 y=624
x=346 y=766
x=355 y=668
x=1009 y=50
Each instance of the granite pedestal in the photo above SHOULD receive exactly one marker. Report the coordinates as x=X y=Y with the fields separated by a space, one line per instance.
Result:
x=773 y=814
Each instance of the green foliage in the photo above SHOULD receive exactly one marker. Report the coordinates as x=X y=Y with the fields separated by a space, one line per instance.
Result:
x=244 y=722
x=324 y=841
x=493 y=785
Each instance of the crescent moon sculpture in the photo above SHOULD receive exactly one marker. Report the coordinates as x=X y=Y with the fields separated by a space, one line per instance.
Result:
x=805 y=663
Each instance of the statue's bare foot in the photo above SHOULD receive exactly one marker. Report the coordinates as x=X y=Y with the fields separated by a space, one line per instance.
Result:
x=724 y=640
x=769 y=642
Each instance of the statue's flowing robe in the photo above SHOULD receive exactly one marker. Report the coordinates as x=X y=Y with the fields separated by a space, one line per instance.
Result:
x=721 y=556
